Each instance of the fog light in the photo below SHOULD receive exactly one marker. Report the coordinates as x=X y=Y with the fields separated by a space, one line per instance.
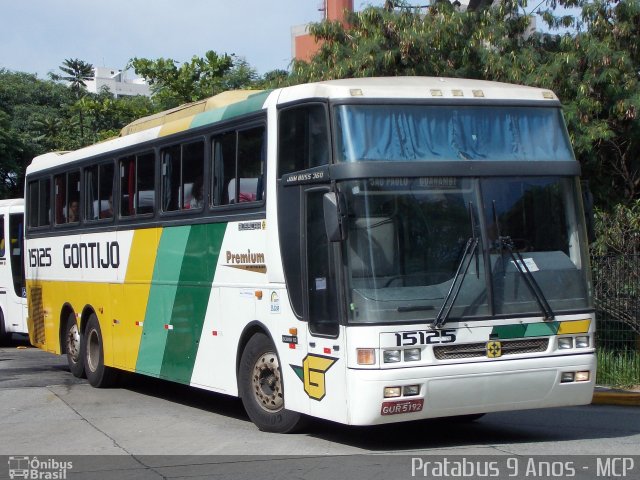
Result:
x=412 y=354
x=567 y=377
x=366 y=356
x=410 y=390
x=565 y=343
x=390 y=392
x=582 y=342
x=391 y=356
x=582 y=376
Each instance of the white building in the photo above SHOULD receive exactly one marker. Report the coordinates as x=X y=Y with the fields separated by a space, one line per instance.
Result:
x=117 y=82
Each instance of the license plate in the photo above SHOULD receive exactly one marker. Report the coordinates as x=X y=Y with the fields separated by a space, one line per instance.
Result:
x=405 y=406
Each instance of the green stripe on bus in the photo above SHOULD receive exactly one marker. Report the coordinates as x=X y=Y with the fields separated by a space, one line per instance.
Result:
x=251 y=104
x=164 y=285
x=191 y=301
x=542 y=329
x=505 y=332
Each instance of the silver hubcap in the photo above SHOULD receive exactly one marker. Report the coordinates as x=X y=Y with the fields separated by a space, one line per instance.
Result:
x=93 y=350
x=267 y=384
x=73 y=343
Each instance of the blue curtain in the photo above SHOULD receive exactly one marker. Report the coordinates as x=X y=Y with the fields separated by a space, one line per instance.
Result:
x=405 y=133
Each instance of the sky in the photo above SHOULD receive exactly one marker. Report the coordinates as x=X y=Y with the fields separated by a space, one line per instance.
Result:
x=36 y=36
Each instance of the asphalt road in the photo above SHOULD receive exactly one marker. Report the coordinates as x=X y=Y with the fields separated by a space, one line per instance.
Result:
x=145 y=428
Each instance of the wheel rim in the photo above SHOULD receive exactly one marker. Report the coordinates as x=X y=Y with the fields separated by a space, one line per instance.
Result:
x=267 y=383
x=93 y=350
x=73 y=343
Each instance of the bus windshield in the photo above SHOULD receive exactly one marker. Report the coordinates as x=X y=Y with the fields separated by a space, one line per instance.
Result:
x=428 y=132
x=409 y=237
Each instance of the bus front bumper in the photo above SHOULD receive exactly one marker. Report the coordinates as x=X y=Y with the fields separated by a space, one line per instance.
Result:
x=469 y=388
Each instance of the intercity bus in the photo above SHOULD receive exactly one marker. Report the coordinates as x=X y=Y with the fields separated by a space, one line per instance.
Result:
x=13 y=301
x=365 y=251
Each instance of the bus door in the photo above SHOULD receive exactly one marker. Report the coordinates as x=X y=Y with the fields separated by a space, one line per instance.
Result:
x=12 y=287
x=324 y=366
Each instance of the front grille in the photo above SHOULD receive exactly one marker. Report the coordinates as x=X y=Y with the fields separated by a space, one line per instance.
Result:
x=475 y=350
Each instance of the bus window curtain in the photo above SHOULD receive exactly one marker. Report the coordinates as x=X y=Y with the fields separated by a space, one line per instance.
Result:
x=132 y=186
x=61 y=195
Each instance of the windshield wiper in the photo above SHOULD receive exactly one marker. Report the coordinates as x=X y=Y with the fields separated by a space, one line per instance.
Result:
x=528 y=277
x=522 y=268
x=458 y=279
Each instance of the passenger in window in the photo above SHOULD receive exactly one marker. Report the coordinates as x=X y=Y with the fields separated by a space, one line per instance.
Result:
x=197 y=200
x=73 y=215
x=108 y=212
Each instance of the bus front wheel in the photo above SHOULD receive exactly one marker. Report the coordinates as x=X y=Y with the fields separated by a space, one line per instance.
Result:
x=73 y=346
x=98 y=374
x=261 y=388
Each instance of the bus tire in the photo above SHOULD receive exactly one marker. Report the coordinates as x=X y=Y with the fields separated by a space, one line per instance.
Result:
x=261 y=388
x=74 y=347
x=472 y=417
x=98 y=374
x=5 y=338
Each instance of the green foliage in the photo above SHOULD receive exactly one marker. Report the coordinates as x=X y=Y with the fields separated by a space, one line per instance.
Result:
x=38 y=116
x=618 y=230
x=77 y=72
x=593 y=68
x=618 y=369
x=201 y=77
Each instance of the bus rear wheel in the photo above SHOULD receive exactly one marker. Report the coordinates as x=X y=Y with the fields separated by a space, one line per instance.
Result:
x=73 y=347
x=5 y=338
x=98 y=374
x=261 y=388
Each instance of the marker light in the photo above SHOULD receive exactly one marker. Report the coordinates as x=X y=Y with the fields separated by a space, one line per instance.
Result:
x=565 y=343
x=366 y=356
x=391 y=356
x=391 y=392
x=582 y=342
x=582 y=376
x=412 y=354
x=410 y=390
x=567 y=377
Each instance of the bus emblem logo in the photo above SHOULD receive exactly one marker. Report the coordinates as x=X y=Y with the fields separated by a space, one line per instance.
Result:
x=312 y=373
x=494 y=349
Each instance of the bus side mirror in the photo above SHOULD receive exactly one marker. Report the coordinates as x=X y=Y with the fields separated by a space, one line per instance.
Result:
x=334 y=223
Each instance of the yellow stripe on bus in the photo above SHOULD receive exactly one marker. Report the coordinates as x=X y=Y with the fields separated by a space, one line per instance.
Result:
x=579 y=326
x=130 y=302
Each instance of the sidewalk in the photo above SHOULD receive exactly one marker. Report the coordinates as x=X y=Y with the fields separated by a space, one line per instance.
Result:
x=614 y=396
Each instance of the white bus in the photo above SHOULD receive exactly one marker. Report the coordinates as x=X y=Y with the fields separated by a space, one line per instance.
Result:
x=365 y=251
x=13 y=301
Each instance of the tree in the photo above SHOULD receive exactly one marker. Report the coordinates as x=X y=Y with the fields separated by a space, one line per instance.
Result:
x=77 y=73
x=593 y=67
x=200 y=78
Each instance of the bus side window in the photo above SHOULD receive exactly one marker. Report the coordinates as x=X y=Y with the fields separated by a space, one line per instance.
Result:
x=303 y=138
x=137 y=184
x=250 y=164
x=182 y=171
x=39 y=199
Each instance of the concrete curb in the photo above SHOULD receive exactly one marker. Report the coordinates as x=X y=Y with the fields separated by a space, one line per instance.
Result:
x=603 y=396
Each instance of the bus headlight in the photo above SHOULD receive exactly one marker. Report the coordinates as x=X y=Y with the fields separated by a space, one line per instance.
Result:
x=412 y=354
x=582 y=376
x=582 y=342
x=391 y=392
x=567 y=377
x=565 y=343
x=391 y=356
x=411 y=390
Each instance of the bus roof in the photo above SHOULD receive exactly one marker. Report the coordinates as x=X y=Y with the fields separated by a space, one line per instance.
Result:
x=228 y=105
x=12 y=202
